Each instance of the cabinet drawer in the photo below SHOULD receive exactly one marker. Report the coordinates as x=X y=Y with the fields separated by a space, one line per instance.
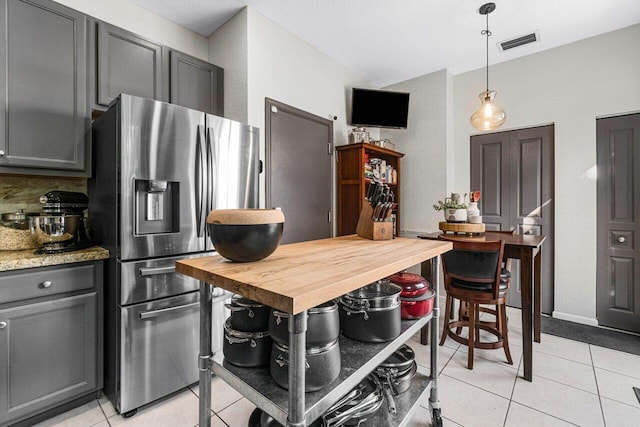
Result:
x=42 y=282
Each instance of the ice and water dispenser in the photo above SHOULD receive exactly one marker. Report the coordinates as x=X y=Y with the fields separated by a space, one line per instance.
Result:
x=157 y=206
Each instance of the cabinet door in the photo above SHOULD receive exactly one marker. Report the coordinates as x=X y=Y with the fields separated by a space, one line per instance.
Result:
x=44 y=113
x=196 y=84
x=48 y=354
x=127 y=63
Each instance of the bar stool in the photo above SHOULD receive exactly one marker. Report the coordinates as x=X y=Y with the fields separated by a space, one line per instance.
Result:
x=472 y=274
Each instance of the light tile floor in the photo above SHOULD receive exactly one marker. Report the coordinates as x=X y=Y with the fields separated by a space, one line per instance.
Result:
x=573 y=384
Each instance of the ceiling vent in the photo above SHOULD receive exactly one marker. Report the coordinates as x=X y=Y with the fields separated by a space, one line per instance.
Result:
x=519 y=41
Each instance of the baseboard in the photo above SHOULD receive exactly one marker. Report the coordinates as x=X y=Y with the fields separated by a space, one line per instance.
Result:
x=573 y=318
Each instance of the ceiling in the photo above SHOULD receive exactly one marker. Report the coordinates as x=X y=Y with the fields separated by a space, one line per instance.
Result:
x=388 y=41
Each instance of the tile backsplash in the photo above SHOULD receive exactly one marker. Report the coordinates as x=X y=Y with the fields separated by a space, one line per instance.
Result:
x=23 y=192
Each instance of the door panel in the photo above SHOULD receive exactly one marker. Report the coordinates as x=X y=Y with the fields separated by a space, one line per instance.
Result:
x=514 y=171
x=299 y=147
x=127 y=63
x=618 y=258
x=158 y=148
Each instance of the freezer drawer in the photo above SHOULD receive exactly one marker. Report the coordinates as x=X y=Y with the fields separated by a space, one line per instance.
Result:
x=159 y=347
x=155 y=278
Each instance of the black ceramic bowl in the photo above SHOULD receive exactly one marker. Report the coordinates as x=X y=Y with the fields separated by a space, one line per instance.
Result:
x=245 y=235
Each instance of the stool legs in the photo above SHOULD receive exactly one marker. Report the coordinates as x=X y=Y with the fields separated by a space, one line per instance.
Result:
x=447 y=315
x=504 y=331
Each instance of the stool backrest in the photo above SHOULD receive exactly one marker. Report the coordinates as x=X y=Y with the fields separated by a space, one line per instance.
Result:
x=474 y=262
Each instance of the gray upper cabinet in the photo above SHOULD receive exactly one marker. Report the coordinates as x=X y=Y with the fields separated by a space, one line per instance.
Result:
x=44 y=110
x=127 y=63
x=196 y=84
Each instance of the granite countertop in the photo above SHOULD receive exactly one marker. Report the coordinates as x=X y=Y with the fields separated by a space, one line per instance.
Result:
x=16 y=260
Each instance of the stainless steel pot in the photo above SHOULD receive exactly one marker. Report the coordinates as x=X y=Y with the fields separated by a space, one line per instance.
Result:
x=248 y=315
x=322 y=365
x=246 y=349
x=323 y=325
x=371 y=313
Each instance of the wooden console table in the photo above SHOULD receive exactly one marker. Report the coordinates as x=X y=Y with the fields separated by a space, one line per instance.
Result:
x=297 y=277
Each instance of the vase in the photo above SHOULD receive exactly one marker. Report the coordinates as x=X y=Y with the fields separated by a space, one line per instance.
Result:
x=473 y=210
x=455 y=215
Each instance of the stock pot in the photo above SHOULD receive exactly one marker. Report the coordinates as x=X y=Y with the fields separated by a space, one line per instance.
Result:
x=371 y=313
x=323 y=325
x=248 y=315
x=246 y=349
x=322 y=365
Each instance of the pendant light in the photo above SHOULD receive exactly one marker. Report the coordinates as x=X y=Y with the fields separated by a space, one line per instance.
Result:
x=489 y=116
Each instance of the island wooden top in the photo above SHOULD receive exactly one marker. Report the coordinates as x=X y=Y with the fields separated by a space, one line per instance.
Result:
x=300 y=276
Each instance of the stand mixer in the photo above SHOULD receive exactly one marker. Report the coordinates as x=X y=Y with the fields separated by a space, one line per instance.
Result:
x=61 y=226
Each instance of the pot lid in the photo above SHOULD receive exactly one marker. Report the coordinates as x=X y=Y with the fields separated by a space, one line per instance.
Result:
x=19 y=215
x=429 y=294
x=403 y=357
x=409 y=281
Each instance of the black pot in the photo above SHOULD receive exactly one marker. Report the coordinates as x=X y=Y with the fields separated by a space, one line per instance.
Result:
x=322 y=365
x=371 y=313
x=248 y=315
x=323 y=325
x=246 y=349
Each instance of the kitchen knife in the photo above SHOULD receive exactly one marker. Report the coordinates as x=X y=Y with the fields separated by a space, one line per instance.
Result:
x=370 y=191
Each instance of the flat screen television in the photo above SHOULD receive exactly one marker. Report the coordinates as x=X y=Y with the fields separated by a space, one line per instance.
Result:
x=379 y=108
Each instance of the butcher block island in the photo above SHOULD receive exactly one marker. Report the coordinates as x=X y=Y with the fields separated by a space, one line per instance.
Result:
x=295 y=278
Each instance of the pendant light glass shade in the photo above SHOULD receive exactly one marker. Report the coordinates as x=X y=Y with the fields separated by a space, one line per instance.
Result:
x=489 y=116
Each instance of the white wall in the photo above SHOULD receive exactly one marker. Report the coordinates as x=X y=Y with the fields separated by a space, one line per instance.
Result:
x=228 y=48
x=282 y=67
x=569 y=86
x=423 y=178
x=133 y=18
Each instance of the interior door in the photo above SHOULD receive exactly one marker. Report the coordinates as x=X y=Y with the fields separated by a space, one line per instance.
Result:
x=299 y=152
x=618 y=258
x=514 y=172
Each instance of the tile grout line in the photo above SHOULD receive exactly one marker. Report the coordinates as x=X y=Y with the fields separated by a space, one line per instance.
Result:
x=595 y=377
x=513 y=389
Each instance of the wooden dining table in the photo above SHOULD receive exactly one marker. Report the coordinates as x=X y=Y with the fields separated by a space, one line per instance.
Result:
x=528 y=249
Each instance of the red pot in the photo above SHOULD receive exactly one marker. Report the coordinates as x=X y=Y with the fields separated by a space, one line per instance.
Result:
x=421 y=306
x=413 y=285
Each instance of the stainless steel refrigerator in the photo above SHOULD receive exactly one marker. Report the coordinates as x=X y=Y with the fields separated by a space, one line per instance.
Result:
x=158 y=170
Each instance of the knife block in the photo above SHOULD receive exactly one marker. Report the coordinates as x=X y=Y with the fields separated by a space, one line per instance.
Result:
x=370 y=229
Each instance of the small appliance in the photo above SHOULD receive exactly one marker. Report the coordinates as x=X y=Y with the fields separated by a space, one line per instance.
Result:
x=58 y=208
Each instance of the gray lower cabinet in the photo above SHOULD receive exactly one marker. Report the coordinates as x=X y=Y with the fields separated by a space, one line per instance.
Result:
x=44 y=109
x=196 y=84
x=127 y=63
x=50 y=338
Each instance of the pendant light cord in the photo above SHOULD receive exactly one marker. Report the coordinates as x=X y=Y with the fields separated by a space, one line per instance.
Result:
x=487 y=33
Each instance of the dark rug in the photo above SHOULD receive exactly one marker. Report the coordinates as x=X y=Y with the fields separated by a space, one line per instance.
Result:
x=602 y=337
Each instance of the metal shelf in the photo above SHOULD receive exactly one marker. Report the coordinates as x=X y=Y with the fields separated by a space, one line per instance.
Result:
x=358 y=360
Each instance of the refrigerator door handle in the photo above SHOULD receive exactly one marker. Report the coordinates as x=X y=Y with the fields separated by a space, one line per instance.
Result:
x=200 y=171
x=211 y=167
x=155 y=271
x=144 y=315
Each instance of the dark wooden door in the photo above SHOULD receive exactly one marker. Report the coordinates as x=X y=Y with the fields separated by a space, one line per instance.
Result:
x=514 y=172
x=299 y=151
x=618 y=257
